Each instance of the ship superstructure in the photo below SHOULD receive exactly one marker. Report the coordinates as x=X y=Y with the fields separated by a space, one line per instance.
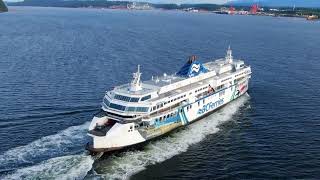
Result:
x=139 y=111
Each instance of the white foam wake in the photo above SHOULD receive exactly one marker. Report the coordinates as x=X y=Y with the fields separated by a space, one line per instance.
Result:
x=47 y=147
x=64 y=167
x=130 y=163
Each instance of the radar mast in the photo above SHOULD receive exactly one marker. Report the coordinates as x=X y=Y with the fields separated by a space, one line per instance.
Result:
x=136 y=82
x=229 y=58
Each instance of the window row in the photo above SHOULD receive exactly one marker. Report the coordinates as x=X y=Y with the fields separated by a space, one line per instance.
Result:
x=137 y=109
x=125 y=108
x=220 y=87
x=170 y=101
x=240 y=74
x=126 y=98
x=238 y=79
x=162 y=118
x=131 y=99
x=146 y=97
x=201 y=89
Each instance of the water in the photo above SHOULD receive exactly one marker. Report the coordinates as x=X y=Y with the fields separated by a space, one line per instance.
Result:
x=56 y=64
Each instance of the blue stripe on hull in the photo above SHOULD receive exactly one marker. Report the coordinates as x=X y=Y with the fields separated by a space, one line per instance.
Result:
x=168 y=121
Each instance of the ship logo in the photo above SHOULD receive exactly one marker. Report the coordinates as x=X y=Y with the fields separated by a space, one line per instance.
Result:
x=195 y=68
x=211 y=105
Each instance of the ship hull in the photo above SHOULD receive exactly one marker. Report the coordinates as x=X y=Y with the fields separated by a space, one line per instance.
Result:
x=185 y=115
x=198 y=110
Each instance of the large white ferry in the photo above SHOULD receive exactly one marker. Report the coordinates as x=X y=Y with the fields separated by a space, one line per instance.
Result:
x=139 y=111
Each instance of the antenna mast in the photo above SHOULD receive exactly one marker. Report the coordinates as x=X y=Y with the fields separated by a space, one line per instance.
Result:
x=136 y=82
x=229 y=58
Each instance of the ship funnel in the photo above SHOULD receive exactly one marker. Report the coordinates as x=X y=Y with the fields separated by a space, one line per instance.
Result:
x=192 y=68
x=136 y=82
x=229 y=58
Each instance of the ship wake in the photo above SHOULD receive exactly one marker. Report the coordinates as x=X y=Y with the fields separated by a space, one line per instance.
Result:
x=64 y=167
x=59 y=155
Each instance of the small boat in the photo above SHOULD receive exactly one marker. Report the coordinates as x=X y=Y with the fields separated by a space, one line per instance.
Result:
x=312 y=17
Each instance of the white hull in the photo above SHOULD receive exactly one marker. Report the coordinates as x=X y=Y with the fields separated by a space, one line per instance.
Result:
x=136 y=112
x=121 y=135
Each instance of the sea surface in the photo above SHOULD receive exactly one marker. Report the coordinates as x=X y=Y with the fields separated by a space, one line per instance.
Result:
x=57 y=63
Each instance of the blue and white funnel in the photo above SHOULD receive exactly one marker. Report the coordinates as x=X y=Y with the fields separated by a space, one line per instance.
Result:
x=192 y=68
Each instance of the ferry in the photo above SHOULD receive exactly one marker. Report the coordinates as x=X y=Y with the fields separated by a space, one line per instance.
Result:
x=312 y=17
x=139 y=111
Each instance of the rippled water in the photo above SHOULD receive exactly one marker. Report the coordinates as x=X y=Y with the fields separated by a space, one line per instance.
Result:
x=55 y=65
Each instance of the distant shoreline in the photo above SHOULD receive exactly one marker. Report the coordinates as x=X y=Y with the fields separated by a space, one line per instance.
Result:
x=307 y=13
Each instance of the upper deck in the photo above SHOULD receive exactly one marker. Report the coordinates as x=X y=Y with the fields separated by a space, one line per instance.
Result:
x=216 y=69
x=138 y=97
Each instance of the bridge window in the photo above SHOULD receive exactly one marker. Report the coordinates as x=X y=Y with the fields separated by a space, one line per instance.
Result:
x=105 y=101
x=122 y=98
x=131 y=108
x=134 y=99
x=126 y=98
x=146 y=98
x=142 y=109
x=117 y=106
